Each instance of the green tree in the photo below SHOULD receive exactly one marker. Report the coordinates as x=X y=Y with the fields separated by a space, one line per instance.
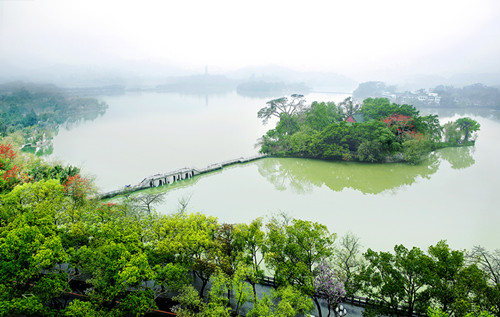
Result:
x=369 y=151
x=467 y=126
x=187 y=239
x=118 y=275
x=189 y=302
x=430 y=127
x=452 y=282
x=294 y=251
x=251 y=240
x=337 y=141
x=396 y=279
x=285 y=302
x=379 y=108
x=452 y=134
x=31 y=251
x=320 y=115
x=415 y=149
x=283 y=105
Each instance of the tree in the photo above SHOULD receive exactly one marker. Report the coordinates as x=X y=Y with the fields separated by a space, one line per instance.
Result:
x=282 y=105
x=145 y=202
x=348 y=108
x=228 y=254
x=378 y=108
x=10 y=174
x=349 y=262
x=467 y=126
x=320 y=115
x=396 y=279
x=400 y=124
x=329 y=284
x=452 y=134
x=489 y=262
x=459 y=131
x=285 y=302
x=171 y=277
x=369 y=151
x=251 y=240
x=187 y=239
x=117 y=275
x=31 y=251
x=78 y=188
x=189 y=303
x=415 y=149
x=285 y=110
x=295 y=250
x=430 y=127
x=451 y=280
x=436 y=312
x=337 y=141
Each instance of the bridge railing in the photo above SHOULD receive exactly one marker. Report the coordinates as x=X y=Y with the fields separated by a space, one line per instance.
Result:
x=145 y=183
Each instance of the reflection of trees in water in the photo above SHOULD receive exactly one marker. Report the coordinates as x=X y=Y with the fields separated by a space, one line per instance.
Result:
x=286 y=173
x=458 y=157
x=302 y=175
x=76 y=119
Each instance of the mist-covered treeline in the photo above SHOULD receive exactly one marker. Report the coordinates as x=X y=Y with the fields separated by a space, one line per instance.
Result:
x=476 y=95
x=35 y=111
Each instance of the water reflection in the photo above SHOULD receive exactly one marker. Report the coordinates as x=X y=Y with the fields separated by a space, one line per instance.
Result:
x=459 y=158
x=72 y=114
x=302 y=175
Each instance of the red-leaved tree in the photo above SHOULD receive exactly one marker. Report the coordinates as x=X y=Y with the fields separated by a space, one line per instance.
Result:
x=9 y=172
x=77 y=188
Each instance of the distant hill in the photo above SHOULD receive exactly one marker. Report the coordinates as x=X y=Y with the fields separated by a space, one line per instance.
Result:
x=475 y=95
x=318 y=81
x=373 y=89
x=198 y=84
x=270 y=89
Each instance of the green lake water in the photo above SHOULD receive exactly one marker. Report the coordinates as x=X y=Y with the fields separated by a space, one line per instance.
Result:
x=452 y=195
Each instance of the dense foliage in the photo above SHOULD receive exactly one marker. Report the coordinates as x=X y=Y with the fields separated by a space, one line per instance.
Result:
x=375 y=131
x=36 y=111
x=65 y=253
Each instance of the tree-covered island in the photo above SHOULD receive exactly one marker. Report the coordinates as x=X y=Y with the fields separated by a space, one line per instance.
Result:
x=376 y=131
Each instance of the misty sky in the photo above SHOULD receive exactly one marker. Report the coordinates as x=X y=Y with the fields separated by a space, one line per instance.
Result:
x=350 y=37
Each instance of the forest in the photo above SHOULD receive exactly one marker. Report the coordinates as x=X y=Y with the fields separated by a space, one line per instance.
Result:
x=374 y=131
x=32 y=113
x=63 y=252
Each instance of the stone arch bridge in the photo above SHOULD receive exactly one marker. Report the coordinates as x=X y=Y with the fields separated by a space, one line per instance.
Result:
x=163 y=179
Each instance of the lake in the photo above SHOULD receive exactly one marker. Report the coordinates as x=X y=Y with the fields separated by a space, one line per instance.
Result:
x=451 y=195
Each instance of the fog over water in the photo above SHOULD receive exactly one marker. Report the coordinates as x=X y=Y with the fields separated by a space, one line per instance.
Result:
x=362 y=39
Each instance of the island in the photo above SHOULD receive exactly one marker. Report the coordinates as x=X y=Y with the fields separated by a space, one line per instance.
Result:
x=374 y=131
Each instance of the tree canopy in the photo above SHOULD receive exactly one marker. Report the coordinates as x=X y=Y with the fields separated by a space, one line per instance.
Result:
x=65 y=253
x=387 y=132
